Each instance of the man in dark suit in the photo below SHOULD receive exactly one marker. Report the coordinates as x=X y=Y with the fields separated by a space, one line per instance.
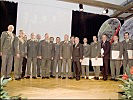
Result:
x=77 y=57
x=105 y=45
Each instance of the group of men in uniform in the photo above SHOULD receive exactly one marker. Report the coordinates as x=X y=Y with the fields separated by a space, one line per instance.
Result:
x=42 y=58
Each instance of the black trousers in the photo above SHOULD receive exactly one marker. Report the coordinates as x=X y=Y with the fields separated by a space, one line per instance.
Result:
x=77 y=68
x=105 y=68
x=24 y=66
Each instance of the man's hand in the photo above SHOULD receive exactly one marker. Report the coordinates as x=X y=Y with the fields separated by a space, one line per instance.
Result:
x=61 y=57
x=18 y=55
x=0 y=53
x=39 y=57
x=52 y=58
x=81 y=60
x=96 y=58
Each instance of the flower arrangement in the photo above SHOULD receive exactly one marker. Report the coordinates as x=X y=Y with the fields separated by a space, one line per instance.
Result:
x=4 y=94
x=127 y=86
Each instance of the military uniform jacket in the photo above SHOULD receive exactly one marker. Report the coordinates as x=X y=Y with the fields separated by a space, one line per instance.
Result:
x=46 y=49
x=56 y=51
x=86 y=50
x=32 y=48
x=7 y=43
x=95 y=50
x=127 y=46
x=77 y=52
x=19 y=47
x=66 y=50
x=116 y=47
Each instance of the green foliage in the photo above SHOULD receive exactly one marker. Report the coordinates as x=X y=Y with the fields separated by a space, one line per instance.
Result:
x=3 y=94
x=127 y=87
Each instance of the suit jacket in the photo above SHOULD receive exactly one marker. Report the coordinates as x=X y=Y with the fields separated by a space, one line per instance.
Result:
x=46 y=49
x=7 y=43
x=86 y=50
x=77 y=53
x=19 y=47
x=106 y=48
x=95 y=50
x=66 y=50
x=116 y=47
x=32 y=48
x=56 y=51
x=127 y=46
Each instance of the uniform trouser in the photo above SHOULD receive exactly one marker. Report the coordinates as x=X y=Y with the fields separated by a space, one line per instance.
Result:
x=6 y=65
x=24 y=66
x=105 y=68
x=96 y=70
x=59 y=63
x=38 y=67
x=31 y=62
x=52 y=67
x=18 y=67
x=65 y=63
x=127 y=64
x=77 y=68
x=45 y=67
x=85 y=70
x=115 y=65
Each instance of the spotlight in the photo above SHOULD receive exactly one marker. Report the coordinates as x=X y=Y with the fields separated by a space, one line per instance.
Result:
x=81 y=7
x=105 y=11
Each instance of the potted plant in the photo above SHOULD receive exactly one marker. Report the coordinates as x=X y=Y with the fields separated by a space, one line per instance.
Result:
x=127 y=85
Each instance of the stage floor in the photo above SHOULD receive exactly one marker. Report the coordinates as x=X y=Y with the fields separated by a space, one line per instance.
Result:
x=64 y=89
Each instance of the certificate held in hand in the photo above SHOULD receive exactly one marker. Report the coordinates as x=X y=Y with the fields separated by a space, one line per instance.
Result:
x=115 y=55
x=97 y=62
x=130 y=54
x=85 y=61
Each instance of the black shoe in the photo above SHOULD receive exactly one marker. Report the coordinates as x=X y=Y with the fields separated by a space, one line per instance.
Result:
x=97 y=78
x=94 y=77
x=105 y=79
x=51 y=75
x=47 y=77
x=70 y=78
x=63 y=77
x=77 y=79
x=59 y=76
x=112 y=79
x=87 y=77
x=116 y=80
x=17 y=78
x=43 y=77
x=38 y=76
x=82 y=77
x=34 y=77
x=28 y=77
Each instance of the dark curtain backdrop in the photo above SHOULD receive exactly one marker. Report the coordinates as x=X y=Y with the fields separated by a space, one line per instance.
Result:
x=86 y=24
x=8 y=15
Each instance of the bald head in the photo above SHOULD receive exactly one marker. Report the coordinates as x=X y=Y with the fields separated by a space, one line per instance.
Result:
x=10 y=28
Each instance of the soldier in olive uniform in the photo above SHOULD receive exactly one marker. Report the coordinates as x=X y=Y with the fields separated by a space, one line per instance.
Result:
x=7 y=39
x=127 y=45
x=31 y=56
x=52 y=61
x=66 y=55
x=57 y=60
x=38 y=59
x=86 y=54
x=95 y=52
x=46 y=54
x=19 y=51
x=73 y=43
x=115 y=63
